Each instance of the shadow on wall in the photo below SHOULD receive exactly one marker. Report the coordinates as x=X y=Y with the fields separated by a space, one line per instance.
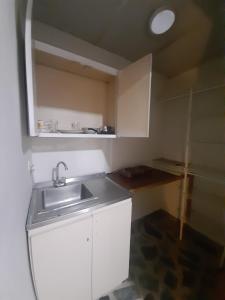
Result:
x=83 y=156
x=21 y=9
x=88 y=155
x=148 y=200
x=67 y=144
x=63 y=90
x=215 y=11
x=203 y=40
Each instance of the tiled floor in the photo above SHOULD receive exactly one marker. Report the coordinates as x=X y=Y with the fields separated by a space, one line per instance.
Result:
x=164 y=268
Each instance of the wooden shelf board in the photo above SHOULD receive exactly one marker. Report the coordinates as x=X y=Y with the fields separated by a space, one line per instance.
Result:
x=216 y=143
x=163 y=99
x=75 y=135
x=207 y=173
x=62 y=64
x=167 y=165
x=72 y=57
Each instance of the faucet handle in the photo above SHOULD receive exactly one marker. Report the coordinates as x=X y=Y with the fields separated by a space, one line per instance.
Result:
x=60 y=182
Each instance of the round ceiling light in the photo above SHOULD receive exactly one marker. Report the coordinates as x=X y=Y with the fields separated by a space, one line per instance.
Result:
x=161 y=21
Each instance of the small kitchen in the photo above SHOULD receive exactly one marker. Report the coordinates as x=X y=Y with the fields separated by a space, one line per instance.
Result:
x=126 y=129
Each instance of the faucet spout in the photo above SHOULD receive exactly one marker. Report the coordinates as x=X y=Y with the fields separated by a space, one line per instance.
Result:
x=62 y=163
x=60 y=181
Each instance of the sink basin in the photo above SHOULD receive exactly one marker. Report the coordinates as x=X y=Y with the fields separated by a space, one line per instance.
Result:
x=61 y=197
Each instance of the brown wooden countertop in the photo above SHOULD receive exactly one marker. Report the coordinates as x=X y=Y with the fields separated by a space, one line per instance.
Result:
x=152 y=178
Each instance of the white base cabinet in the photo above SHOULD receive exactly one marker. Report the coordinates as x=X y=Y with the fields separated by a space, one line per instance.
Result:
x=111 y=245
x=82 y=257
x=61 y=260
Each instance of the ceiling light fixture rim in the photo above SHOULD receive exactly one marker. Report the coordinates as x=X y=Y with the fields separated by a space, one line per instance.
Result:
x=155 y=13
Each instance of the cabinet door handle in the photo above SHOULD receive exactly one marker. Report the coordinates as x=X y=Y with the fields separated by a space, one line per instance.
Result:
x=87 y=239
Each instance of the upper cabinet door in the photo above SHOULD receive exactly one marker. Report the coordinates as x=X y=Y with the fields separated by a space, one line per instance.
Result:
x=133 y=102
x=30 y=75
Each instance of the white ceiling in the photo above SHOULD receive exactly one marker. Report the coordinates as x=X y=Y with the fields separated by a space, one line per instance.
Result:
x=120 y=26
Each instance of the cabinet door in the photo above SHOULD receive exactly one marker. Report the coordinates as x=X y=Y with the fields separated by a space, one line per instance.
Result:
x=111 y=247
x=30 y=74
x=61 y=261
x=133 y=100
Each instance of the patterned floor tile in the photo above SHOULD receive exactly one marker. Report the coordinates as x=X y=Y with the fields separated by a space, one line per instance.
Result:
x=164 y=268
x=127 y=293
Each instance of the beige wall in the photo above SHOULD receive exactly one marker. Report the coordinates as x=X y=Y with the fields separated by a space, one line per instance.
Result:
x=148 y=200
x=69 y=98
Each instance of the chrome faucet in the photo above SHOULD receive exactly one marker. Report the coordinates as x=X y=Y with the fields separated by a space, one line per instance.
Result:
x=56 y=179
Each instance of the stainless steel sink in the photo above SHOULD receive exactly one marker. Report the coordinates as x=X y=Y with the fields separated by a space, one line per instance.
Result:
x=55 y=198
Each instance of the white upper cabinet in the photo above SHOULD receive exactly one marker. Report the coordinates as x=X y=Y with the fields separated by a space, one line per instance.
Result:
x=30 y=75
x=75 y=92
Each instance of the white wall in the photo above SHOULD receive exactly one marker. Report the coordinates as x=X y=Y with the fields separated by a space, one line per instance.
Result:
x=83 y=156
x=15 y=183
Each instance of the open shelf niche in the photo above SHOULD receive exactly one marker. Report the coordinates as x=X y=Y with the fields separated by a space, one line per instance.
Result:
x=73 y=90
